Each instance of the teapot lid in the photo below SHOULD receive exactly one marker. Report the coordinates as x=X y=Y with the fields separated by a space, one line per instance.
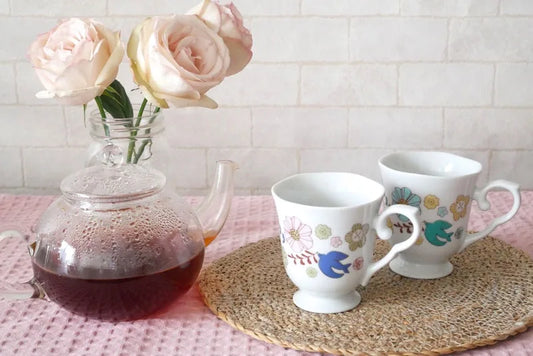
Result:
x=113 y=183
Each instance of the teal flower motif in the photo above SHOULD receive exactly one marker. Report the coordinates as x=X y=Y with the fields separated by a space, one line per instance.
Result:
x=442 y=211
x=406 y=197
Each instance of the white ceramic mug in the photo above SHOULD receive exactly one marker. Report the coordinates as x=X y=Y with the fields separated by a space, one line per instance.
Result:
x=328 y=226
x=442 y=186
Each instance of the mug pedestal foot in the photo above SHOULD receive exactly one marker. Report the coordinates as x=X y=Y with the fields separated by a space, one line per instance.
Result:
x=326 y=304
x=420 y=271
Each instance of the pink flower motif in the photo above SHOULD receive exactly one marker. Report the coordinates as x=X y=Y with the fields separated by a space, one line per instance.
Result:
x=336 y=241
x=358 y=263
x=298 y=234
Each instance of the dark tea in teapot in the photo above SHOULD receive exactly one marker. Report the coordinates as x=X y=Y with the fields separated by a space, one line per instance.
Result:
x=120 y=298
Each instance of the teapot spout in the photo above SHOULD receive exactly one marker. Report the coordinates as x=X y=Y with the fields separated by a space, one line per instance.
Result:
x=214 y=209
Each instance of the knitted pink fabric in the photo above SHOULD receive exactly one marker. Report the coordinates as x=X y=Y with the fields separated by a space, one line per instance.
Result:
x=37 y=327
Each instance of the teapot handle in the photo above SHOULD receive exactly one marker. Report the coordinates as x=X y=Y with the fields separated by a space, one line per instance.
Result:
x=11 y=291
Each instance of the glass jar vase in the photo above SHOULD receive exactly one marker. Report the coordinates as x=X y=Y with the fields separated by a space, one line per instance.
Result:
x=132 y=140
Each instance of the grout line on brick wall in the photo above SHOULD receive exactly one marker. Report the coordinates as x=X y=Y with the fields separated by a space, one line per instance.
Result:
x=331 y=106
x=299 y=87
x=368 y=16
x=398 y=85
x=447 y=48
x=298 y=160
x=16 y=74
x=354 y=62
x=493 y=89
x=349 y=39
x=489 y=164
x=252 y=129
x=443 y=125
x=347 y=128
x=22 y=164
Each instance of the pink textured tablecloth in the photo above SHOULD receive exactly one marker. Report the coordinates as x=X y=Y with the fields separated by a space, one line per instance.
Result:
x=188 y=327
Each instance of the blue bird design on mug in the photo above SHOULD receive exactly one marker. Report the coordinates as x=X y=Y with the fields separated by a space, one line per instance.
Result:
x=436 y=231
x=332 y=261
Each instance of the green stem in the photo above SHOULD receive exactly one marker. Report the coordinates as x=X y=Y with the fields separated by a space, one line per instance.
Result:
x=131 y=146
x=102 y=114
x=133 y=157
x=141 y=150
x=141 y=109
x=139 y=153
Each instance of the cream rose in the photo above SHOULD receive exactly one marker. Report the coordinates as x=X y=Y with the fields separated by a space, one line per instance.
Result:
x=226 y=20
x=76 y=60
x=176 y=60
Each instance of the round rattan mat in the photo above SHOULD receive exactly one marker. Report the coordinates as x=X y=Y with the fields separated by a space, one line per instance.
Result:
x=487 y=298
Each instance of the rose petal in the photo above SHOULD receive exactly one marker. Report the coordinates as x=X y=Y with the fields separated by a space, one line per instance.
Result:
x=240 y=56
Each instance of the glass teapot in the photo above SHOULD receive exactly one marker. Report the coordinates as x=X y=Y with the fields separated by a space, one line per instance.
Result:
x=118 y=245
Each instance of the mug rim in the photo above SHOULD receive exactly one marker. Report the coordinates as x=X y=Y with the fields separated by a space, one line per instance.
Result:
x=385 y=162
x=276 y=187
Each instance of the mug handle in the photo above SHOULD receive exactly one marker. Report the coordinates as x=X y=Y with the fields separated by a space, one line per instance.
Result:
x=11 y=291
x=384 y=233
x=480 y=195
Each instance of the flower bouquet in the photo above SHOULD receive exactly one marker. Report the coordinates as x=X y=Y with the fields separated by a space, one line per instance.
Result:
x=175 y=60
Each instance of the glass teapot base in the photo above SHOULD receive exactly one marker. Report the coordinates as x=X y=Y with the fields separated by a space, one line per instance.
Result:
x=123 y=298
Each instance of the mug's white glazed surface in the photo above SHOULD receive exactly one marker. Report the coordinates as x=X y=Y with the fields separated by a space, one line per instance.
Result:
x=431 y=164
x=327 y=223
x=442 y=186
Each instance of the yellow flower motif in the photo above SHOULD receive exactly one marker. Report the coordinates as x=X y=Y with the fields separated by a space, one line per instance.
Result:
x=389 y=223
x=419 y=240
x=460 y=207
x=431 y=201
x=311 y=272
x=356 y=238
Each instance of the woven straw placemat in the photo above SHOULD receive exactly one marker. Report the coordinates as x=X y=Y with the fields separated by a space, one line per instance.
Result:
x=487 y=298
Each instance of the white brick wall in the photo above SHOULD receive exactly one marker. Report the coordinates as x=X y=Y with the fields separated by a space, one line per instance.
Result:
x=333 y=85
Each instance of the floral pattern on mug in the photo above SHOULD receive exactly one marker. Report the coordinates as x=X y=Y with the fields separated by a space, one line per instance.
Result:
x=298 y=234
x=356 y=238
x=405 y=196
x=311 y=272
x=431 y=201
x=335 y=241
x=436 y=234
x=459 y=207
x=442 y=211
x=322 y=231
x=358 y=263
x=389 y=223
x=305 y=258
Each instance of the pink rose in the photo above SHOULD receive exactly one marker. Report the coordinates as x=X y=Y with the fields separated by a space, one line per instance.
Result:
x=226 y=20
x=76 y=60
x=176 y=60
